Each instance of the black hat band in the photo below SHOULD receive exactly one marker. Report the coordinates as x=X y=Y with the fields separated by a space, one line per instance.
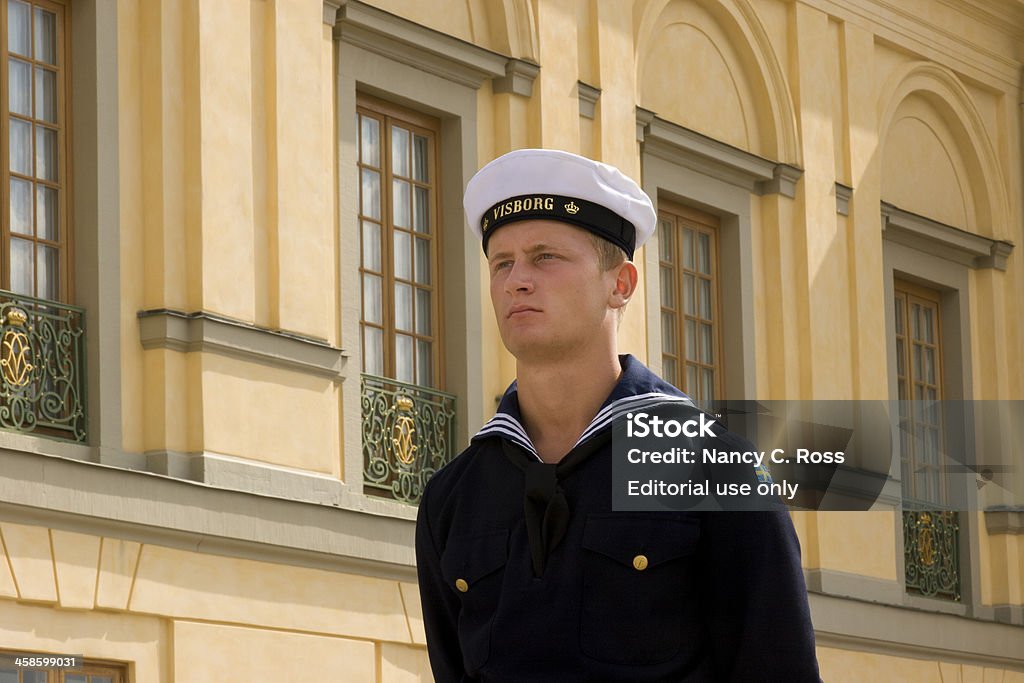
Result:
x=592 y=217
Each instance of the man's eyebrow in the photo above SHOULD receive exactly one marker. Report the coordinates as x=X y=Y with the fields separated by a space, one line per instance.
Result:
x=529 y=250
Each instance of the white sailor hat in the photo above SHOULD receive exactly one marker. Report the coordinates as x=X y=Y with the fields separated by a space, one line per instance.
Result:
x=556 y=185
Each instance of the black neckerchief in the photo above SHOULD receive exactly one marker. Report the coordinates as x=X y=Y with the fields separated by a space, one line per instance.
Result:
x=544 y=506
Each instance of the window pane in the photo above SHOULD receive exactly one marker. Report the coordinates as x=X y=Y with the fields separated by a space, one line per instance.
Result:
x=373 y=351
x=400 y=202
x=371 y=246
x=666 y=241
x=21 y=266
x=422 y=261
x=403 y=359
x=21 y=206
x=668 y=333
x=929 y=325
x=46 y=153
x=403 y=307
x=901 y=369
x=423 y=364
x=423 y=312
x=688 y=249
x=372 y=300
x=929 y=365
x=75 y=678
x=707 y=385
x=668 y=370
x=918 y=365
x=369 y=141
x=33 y=677
x=691 y=339
x=421 y=209
x=704 y=288
x=46 y=95
x=46 y=36
x=899 y=316
x=420 y=159
x=704 y=254
x=400 y=151
x=47 y=285
x=706 y=355
x=20 y=87
x=46 y=212
x=688 y=293
x=371 y=194
x=915 y=321
x=668 y=291
x=21 y=147
x=403 y=255
x=691 y=381
x=18 y=36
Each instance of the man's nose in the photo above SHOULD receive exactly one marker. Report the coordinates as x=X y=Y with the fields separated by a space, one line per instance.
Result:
x=519 y=277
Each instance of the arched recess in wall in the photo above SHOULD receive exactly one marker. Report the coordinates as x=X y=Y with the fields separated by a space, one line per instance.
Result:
x=513 y=28
x=937 y=159
x=708 y=65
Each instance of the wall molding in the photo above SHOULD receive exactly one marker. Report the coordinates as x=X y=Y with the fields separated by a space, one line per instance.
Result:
x=518 y=79
x=588 y=95
x=165 y=328
x=1005 y=520
x=410 y=43
x=890 y=630
x=89 y=497
x=688 y=148
x=945 y=241
x=843 y=195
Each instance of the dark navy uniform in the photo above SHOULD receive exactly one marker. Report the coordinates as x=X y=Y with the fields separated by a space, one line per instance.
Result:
x=519 y=583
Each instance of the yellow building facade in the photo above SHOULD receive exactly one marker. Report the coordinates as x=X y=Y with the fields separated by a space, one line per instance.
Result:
x=247 y=216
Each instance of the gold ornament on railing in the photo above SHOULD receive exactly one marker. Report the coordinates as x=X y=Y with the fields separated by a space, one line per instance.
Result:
x=926 y=539
x=404 y=430
x=16 y=352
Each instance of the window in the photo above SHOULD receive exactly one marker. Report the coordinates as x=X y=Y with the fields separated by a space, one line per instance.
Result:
x=408 y=423
x=398 y=225
x=88 y=672
x=690 y=328
x=930 y=534
x=34 y=143
x=919 y=386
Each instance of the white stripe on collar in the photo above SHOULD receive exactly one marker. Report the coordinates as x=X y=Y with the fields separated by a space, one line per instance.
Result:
x=506 y=425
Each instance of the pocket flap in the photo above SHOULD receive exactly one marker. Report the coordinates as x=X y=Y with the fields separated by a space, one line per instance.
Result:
x=623 y=539
x=473 y=557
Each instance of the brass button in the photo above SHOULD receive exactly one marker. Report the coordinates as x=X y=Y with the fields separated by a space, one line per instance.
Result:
x=640 y=563
x=461 y=585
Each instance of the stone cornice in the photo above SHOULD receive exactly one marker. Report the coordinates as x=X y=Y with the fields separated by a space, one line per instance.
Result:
x=706 y=155
x=944 y=241
x=410 y=43
x=203 y=331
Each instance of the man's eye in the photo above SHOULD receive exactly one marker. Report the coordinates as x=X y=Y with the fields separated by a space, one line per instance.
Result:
x=546 y=256
x=502 y=264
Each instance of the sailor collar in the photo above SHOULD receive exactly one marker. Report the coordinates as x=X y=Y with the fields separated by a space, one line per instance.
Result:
x=637 y=388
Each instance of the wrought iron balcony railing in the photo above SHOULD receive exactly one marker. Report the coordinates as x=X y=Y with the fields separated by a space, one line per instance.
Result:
x=931 y=551
x=42 y=367
x=408 y=434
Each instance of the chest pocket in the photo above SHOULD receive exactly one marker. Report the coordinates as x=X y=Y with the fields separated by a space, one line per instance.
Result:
x=473 y=567
x=639 y=588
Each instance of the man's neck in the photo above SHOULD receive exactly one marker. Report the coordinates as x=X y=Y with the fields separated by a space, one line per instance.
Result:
x=558 y=400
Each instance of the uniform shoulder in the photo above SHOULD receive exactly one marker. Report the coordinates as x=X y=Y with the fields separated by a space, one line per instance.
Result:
x=447 y=478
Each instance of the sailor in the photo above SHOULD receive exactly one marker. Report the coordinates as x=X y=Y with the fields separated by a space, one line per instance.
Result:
x=526 y=572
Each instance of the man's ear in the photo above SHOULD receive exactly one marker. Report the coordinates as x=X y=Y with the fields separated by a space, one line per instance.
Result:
x=626 y=278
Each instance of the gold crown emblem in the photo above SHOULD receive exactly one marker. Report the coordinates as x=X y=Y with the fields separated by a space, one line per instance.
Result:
x=571 y=208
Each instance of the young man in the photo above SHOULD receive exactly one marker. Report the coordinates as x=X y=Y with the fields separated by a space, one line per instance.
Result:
x=526 y=573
